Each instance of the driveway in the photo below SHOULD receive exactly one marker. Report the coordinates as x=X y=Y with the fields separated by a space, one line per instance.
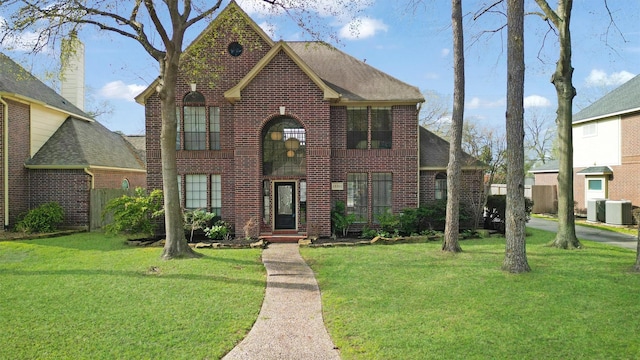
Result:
x=589 y=233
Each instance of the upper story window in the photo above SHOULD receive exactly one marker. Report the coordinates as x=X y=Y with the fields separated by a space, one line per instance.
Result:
x=194 y=132
x=369 y=128
x=195 y=126
x=284 y=148
x=590 y=129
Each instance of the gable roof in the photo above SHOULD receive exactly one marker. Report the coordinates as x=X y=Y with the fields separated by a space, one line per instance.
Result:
x=18 y=83
x=353 y=79
x=234 y=94
x=621 y=100
x=434 y=153
x=341 y=77
x=79 y=144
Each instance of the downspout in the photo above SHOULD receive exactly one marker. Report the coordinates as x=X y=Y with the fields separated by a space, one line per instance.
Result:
x=5 y=152
x=86 y=170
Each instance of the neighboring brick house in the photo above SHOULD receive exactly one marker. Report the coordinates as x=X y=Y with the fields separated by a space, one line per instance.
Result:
x=53 y=151
x=606 y=149
x=286 y=129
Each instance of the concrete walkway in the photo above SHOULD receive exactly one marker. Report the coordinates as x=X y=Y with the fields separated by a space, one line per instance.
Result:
x=589 y=233
x=290 y=324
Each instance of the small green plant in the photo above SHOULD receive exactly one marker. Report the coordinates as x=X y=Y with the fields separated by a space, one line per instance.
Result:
x=368 y=233
x=388 y=222
x=196 y=220
x=221 y=230
x=340 y=220
x=45 y=218
x=134 y=214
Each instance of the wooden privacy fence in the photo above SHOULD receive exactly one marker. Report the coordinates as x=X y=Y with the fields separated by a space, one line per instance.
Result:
x=545 y=199
x=99 y=200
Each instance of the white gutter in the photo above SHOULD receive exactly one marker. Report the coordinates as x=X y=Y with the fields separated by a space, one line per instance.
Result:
x=5 y=151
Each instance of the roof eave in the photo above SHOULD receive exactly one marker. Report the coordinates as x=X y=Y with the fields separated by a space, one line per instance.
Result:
x=28 y=100
x=603 y=116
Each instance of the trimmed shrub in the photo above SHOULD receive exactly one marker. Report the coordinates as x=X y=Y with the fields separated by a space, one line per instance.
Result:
x=221 y=230
x=432 y=217
x=133 y=214
x=45 y=218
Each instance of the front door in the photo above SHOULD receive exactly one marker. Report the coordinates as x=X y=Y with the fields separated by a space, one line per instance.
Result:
x=285 y=205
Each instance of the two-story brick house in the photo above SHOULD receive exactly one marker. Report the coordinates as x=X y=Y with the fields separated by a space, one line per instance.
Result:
x=278 y=132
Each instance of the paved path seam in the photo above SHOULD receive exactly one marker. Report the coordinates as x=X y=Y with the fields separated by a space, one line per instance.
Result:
x=290 y=323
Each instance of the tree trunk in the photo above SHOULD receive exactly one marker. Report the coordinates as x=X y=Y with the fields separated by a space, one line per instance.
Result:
x=515 y=256
x=562 y=79
x=452 y=225
x=176 y=245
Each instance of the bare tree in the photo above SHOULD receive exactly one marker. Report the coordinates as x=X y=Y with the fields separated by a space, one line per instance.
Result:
x=435 y=114
x=562 y=79
x=515 y=255
x=159 y=27
x=539 y=136
x=452 y=225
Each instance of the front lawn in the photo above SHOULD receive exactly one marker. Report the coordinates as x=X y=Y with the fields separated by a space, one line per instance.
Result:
x=89 y=296
x=412 y=301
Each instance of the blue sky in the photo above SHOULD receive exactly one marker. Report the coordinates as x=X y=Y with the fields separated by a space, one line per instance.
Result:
x=413 y=45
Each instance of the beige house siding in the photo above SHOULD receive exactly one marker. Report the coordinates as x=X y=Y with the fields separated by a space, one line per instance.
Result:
x=44 y=122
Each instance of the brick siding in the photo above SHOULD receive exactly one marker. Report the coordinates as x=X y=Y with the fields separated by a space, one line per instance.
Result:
x=69 y=188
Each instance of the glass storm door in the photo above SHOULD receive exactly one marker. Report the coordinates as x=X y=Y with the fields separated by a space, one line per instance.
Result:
x=285 y=205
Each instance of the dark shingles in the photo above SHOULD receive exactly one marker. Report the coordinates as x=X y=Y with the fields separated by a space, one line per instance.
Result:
x=549 y=166
x=623 y=98
x=14 y=79
x=434 y=152
x=79 y=143
x=353 y=79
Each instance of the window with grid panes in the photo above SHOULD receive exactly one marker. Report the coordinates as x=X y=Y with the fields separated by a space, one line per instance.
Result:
x=357 y=128
x=357 y=196
x=194 y=124
x=381 y=185
x=195 y=192
x=381 y=128
x=178 y=117
x=214 y=128
x=216 y=195
x=441 y=186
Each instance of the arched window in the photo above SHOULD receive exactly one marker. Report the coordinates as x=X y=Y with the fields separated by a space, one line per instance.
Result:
x=284 y=148
x=195 y=125
x=441 y=186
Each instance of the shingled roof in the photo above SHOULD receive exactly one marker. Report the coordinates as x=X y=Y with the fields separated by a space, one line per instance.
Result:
x=81 y=144
x=353 y=79
x=434 y=153
x=621 y=100
x=15 y=80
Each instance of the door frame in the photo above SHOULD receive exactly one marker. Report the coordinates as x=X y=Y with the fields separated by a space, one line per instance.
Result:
x=295 y=203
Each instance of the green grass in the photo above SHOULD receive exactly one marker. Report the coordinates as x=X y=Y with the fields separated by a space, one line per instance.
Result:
x=88 y=296
x=414 y=302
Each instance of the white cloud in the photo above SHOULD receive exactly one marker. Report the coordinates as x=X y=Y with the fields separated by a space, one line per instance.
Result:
x=445 y=52
x=536 y=101
x=119 y=90
x=477 y=103
x=362 y=28
x=599 y=77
